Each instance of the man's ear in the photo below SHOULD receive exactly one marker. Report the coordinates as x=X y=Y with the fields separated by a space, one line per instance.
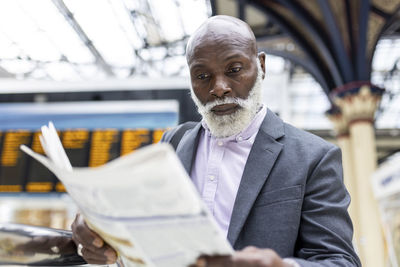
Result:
x=261 y=58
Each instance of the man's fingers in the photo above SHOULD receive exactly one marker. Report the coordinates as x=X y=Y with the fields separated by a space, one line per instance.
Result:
x=250 y=248
x=215 y=261
x=201 y=262
x=90 y=244
x=104 y=250
x=83 y=235
x=253 y=256
x=101 y=255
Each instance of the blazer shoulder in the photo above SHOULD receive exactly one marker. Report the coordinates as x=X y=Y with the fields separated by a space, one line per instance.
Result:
x=305 y=141
x=169 y=134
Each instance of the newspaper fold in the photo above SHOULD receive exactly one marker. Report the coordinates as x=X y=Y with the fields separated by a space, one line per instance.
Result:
x=143 y=204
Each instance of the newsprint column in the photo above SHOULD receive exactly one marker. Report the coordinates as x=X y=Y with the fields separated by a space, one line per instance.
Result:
x=358 y=102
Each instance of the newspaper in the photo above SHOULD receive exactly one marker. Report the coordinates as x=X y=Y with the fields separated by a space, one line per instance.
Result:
x=143 y=204
x=386 y=186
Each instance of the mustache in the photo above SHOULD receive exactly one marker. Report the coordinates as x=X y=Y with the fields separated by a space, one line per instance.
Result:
x=223 y=101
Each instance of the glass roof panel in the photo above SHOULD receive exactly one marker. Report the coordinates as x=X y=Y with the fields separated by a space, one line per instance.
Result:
x=89 y=70
x=98 y=21
x=8 y=49
x=386 y=55
x=274 y=64
x=18 y=66
x=128 y=37
x=122 y=14
x=57 y=30
x=386 y=73
x=59 y=71
x=193 y=13
x=169 y=23
x=22 y=29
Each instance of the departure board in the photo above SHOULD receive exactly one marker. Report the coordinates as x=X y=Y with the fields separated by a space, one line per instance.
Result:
x=39 y=178
x=104 y=146
x=13 y=161
x=91 y=143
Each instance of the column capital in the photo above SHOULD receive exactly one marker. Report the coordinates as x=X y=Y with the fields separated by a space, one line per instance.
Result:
x=340 y=124
x=358 y=101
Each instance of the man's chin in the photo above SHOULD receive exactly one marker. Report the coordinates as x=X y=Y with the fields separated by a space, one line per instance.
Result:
x=226 y=125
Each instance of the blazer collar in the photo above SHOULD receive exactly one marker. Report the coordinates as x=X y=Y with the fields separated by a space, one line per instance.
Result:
x=272 y=125
x=260 y=162
x=188 y=146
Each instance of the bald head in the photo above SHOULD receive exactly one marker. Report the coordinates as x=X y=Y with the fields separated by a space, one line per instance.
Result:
x=221 y=29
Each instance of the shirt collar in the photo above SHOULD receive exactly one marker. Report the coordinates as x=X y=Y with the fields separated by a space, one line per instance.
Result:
x=246 y=133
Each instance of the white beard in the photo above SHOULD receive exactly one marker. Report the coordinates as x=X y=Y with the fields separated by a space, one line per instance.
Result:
x=222 y=126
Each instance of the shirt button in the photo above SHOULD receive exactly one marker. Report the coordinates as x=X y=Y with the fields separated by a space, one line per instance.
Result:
x=220 y=143
x=240 y=138
x=211 y=177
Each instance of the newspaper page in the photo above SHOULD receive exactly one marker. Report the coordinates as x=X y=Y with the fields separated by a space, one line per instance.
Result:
x=386 y=186
x=143 y=204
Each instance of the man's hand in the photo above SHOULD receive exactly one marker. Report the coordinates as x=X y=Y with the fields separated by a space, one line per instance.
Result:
x=94 y=249
x=248 y=257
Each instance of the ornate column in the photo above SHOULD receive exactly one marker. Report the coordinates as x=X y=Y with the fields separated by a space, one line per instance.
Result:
x=358 y=102
x=340 y=125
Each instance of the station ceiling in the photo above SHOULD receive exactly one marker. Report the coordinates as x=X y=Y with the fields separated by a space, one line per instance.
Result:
x=77 y=40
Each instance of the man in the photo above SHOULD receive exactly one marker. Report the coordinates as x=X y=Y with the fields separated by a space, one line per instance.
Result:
x=276 y=191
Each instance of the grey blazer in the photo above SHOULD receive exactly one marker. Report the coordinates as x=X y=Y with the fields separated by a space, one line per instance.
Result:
x=291 y=197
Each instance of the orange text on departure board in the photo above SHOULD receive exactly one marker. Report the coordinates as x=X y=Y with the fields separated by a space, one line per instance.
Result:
x=60 y=187
x=36 y=145
x=11 y=143
x=157 y=134
x=133 y=139
x=73 y=139
x=10 y=188
x=102 y=141
x=39 y=186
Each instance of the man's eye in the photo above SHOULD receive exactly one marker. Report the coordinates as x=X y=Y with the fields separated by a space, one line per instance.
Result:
x=203 y=76
x=234 y=70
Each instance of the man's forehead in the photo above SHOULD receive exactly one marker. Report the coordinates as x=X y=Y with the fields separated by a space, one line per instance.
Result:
x=222 y=54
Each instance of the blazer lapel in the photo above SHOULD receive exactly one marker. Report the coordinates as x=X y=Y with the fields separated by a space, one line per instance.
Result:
x=262 y=157
x=188 y=146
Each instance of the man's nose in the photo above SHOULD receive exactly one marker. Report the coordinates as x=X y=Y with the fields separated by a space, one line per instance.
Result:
x=221 y=88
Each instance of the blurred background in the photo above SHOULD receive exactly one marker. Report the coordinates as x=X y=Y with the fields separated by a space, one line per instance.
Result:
x=112 y=76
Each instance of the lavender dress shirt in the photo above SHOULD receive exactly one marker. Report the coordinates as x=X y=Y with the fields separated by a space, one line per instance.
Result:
x=219 y=165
